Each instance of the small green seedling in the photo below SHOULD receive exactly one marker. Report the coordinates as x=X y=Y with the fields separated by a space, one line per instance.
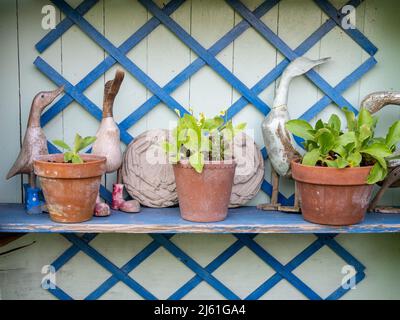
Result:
x=328 y=146
x=72 y=154
x=200 y=139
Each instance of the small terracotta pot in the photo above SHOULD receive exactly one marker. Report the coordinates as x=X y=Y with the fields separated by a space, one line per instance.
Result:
x=332 y=196
x=70 y=190
x=204 y=197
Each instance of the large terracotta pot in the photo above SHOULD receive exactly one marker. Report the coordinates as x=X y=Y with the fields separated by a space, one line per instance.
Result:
x=204 y=197
x=332 y=196
x=70 y=190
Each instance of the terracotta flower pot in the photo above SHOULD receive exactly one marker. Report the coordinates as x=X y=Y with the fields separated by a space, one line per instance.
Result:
x=332 y=196
x=204 y=197
x=70 y=190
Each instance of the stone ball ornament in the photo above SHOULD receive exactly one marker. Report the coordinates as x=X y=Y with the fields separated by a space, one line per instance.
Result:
x=146 y=173
x=249 y=173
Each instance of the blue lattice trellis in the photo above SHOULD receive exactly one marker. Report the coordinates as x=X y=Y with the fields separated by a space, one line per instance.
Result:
x=163 y=94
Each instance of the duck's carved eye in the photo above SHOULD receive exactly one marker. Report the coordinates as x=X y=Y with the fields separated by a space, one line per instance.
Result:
x=42 y=96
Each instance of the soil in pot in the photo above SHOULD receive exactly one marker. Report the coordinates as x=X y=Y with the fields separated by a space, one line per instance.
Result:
x=204 y=197
x=332 y=196
x=70 y=190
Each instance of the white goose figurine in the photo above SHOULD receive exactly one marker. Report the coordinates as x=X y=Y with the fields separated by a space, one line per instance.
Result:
x=278 y=141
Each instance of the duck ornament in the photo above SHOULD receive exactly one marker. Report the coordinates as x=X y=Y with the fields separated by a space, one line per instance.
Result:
x=33 y=145
x=278 y=141
x=107 y=144
x=373 y=103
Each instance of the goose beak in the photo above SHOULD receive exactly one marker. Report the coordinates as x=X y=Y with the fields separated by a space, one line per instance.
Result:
x=57 y=92
x=322 y=61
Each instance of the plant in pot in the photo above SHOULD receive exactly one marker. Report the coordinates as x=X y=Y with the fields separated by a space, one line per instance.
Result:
x=70 y=181
x=200 y=150
x=335 y=177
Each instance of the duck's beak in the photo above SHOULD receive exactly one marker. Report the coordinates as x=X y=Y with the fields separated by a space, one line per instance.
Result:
x=57 y=92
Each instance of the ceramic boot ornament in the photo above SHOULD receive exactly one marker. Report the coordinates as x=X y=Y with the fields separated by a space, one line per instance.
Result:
x=373 y=103
x=107 y=143
x=278 y=141
x=118 y=202
x=34 y=144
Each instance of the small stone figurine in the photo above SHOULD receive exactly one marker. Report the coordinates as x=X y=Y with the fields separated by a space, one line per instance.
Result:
x=34 y=144
x=278 y=141
x=373 y=103
x=107 y=145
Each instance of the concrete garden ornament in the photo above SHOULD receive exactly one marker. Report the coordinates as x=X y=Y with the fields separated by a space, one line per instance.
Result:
x=34 y=144
x=278 y=141
x=249 y=173
x=107 y=145
x=373 y=103
x=201 y=150
x=146 y=173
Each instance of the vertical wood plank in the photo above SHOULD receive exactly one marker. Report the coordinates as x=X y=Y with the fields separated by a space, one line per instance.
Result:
x=303 y=93
x=346 y=57
x=382 y=27
x=166 y=57
x=121 y=19
x=209 y=93
x=254 y=57
x=79 y=56
x=9 y=104
x=32 y=80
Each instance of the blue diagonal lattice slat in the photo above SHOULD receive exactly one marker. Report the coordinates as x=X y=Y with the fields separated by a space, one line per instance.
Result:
x=161 y=16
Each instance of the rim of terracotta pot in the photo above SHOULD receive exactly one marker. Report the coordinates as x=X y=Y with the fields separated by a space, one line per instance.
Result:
x=330 y=176
x=93 y=166
x=215 y=164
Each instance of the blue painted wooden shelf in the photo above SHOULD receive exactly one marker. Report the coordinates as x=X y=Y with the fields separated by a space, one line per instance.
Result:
x=13 y=218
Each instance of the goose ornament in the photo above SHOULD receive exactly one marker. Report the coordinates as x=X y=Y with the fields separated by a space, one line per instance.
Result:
x=278 y=141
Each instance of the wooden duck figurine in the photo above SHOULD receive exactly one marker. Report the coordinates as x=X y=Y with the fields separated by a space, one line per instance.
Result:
x=278 y=141
x=35 y=142
x=108 y=145
x=373 y=103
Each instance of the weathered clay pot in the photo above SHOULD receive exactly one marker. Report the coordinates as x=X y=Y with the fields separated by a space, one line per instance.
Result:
x=332 y=196
x=70 y=190
x=204 y=197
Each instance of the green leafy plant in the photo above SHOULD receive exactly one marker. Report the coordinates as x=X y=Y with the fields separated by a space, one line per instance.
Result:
x=327 y=145
x=200 y=139
x=72 y=154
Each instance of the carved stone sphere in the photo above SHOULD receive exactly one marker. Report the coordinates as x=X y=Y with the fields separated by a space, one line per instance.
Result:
x=249 y=173
x=146 y=173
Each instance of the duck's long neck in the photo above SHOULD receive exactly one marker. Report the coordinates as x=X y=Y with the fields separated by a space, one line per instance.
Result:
x=108 y=105
x=282 y=93
x=34 y=117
